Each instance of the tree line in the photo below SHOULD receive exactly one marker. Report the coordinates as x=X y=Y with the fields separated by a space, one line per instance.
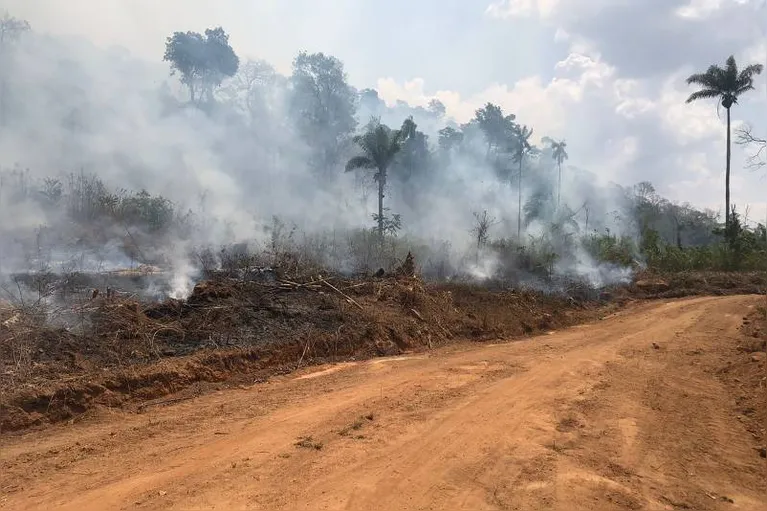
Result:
x=407 y=151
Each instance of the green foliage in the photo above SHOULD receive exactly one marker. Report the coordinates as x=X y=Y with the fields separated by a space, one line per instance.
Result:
x=725 y=84
x=391 y=224
x=496 y=126
x=610 y=248
x=323 y=106
x=380 y=145
x=742 y=249
x=86 y=199
x=154 y=213
x=449 y=138
x=203 y=61
x=538 y=206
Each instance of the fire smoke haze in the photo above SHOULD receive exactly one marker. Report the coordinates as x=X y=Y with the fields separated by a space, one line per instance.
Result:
x=87 y=91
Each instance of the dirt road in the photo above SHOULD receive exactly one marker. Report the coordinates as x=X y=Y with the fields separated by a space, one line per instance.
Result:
x=595 y=417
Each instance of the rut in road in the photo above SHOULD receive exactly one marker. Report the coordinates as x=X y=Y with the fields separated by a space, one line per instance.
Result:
x=625 y=413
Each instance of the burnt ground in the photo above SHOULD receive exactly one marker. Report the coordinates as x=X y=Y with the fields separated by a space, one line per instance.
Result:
x=233 y=332
x=131 y=355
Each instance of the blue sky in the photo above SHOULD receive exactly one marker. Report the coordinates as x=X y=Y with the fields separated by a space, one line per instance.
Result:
x=608 y=75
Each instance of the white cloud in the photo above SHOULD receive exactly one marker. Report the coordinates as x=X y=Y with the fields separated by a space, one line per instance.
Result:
x=510 y=8
x=688 y=123
x=544 y=106
x=697 y=9
x=504 y=9
x=700 y=9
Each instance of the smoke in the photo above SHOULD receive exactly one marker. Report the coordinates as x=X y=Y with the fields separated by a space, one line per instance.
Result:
x=80 y=123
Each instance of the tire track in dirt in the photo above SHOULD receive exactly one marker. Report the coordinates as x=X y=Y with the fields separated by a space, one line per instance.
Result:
x=612 y=415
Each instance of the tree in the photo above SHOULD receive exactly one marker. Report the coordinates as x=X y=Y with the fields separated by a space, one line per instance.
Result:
x=523 y=148
x=746 y=137
x=437 y=108
x=481 y=230
x=323 y=106
x=11 y=29
x=369 y=100
x=725 y=85
x=414 y=157
x=380 y=145
x=559 y=153
x=538 y=206
x=257 y=94
x=250 y=90
x=449 y=138
x=494 y=125
x=203 y=61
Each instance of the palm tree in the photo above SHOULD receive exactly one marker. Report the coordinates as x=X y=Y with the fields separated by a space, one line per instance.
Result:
x=380 y=145
x=523 y=147
x=559 y=153
x=726 y=85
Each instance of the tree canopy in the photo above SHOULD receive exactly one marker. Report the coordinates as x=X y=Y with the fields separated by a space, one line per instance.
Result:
x=323 y=106
x=202 y=61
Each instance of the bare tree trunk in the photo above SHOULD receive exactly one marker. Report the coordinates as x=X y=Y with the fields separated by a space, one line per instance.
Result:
x=559 y=185
x=381 y=184
x=727 y=182
x=519 y=205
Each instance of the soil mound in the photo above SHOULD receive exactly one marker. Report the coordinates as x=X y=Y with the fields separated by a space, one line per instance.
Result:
x=232 y=330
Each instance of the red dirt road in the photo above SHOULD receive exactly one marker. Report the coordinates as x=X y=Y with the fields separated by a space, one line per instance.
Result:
x=594 y=417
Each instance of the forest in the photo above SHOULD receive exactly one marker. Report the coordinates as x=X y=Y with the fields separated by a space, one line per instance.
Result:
x=204 y=160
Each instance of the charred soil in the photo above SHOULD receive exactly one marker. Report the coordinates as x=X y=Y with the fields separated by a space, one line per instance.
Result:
x=234 y=332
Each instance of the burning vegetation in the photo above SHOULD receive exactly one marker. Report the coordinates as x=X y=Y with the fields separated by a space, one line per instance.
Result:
x=113 y=349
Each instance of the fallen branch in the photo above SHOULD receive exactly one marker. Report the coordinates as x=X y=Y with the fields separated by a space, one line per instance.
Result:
x=418 y=315
x=348 y=298
x=306 y=348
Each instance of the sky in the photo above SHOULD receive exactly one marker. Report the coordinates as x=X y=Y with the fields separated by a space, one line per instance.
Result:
x=606 y=75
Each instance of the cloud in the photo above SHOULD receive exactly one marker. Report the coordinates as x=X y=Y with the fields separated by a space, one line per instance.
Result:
x=505 y=9
x=544 y=106
x=701 y=9
x=651 y=37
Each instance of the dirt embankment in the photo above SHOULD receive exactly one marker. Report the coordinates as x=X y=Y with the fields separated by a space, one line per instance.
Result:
x=235 y=332
x=744 y=370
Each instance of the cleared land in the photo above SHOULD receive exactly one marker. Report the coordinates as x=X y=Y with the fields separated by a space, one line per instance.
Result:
x=658 y=406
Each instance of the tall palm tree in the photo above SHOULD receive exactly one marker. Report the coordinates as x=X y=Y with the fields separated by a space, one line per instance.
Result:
x=380 y=145
x=725 y=85
x=559 y=153
x=522 y=148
